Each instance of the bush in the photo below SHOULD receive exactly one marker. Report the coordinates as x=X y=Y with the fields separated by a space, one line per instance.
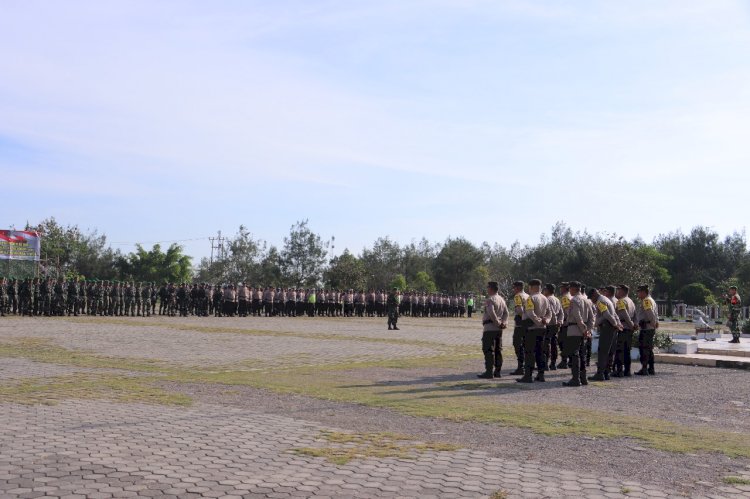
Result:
x=745 y=328
x=662 y=341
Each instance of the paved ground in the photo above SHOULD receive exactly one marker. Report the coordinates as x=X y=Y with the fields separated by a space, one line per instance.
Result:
x=259 y=441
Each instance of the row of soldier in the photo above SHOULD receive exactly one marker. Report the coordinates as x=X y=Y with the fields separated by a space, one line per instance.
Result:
x=52 y=297
x=545 y=324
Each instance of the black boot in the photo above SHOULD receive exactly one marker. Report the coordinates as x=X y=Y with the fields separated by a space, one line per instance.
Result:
x=485 y=375
x=552 y=366
x=651 y=371
x=606 y=375
x=526 y=376
x=540 y=376
x=563 y=364
x=497 y=372
x=576 y=379
x=597 y=377
x=518 y=371
x=627 y=373
x=642 y=372
x=618 y=373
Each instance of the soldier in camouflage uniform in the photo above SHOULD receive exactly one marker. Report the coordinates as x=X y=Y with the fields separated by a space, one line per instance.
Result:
x=3 y=297
x=12 y=296
x=734 y=302
x=391 y=305
x=72 y=303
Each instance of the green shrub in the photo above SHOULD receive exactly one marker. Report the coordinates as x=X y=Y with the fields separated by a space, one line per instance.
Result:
x=662 y=341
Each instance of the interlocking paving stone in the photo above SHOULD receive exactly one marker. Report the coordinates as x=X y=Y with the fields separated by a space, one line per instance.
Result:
x=106 y=449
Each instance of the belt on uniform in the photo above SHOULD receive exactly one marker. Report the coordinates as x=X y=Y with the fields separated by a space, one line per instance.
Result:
x=484 y=323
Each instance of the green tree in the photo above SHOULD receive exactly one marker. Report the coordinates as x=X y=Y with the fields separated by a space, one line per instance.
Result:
x=456 y=266
x=382 y=262
x=694 y=294
x=415 y=258
x=398 y=282
x=70 y=252
x=156 y=265
x=303 y=257
x=423 y=282
x=241 y=261
x=346 y=272
x=270 y=268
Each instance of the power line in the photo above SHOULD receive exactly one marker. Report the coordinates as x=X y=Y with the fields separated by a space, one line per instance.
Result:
x=218 y=246
x=125 y=243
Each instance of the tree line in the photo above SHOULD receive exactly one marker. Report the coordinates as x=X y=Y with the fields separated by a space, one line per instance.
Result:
x=694 y=267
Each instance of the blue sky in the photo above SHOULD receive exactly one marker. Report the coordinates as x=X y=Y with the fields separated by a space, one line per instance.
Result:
x=157 y=121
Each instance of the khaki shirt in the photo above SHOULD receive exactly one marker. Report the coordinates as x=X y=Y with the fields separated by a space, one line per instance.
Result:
x=626 y=312
x=537 y=309
x=565 y=303
x=519 y=302
x=578 y=316
x=557 y=311
x=495 y=313
x=647 y=314
x=606 y=312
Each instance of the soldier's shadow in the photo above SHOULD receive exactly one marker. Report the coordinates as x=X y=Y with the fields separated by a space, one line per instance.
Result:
x=461 y=385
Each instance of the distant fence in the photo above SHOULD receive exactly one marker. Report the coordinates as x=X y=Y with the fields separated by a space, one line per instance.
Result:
x=713 y=312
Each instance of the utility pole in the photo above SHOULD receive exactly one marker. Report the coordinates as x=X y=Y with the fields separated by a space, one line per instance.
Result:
x=217 y=243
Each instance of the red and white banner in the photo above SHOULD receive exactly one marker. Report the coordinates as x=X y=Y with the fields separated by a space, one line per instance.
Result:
x=19 y=245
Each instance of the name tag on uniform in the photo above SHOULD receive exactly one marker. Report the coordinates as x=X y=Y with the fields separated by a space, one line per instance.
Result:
x=529 y=304
x=602 y=306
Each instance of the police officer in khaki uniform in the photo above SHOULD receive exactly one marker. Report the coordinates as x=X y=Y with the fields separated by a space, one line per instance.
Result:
x=608 y=325
x=536 y=316
x=626 y=313
x=648 y=323
x=519 y=299
x=494 y=321
x=578 y=319
x=565 y=304
x=553 y=328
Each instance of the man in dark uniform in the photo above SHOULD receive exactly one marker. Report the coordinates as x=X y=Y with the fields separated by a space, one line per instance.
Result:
x=12 y=296
x=391 y=304
x=217 y=298
x=45 y=293
x=3 y=296
x=735 y=304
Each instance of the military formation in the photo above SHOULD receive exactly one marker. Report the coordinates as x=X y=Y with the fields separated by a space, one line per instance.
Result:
x=548 y=327
x=73 y=297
